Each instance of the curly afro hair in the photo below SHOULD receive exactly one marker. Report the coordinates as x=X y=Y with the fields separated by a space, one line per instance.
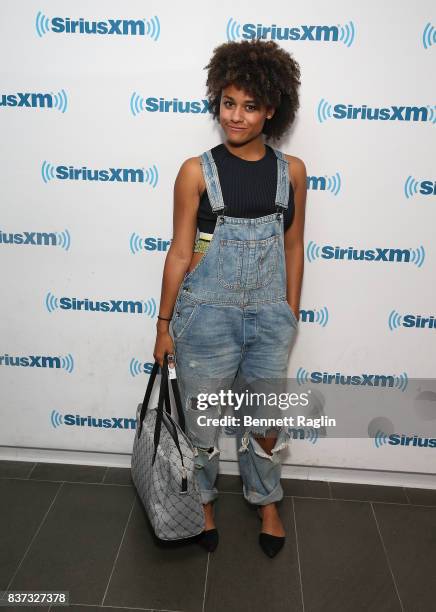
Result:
x=265 y=71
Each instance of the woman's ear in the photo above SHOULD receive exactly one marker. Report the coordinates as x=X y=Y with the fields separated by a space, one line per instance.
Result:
x=270 y=110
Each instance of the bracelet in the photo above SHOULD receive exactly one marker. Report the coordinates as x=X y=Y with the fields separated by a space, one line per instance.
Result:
x=163 y=318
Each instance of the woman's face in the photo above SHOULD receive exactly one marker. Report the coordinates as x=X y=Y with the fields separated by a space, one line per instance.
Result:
x=240 y=117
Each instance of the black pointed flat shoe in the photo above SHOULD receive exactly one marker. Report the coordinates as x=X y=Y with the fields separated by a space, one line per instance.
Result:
x=270 y=544
x=209 y=539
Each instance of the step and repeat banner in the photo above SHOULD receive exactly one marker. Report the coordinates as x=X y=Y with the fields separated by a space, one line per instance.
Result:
x=101 y=102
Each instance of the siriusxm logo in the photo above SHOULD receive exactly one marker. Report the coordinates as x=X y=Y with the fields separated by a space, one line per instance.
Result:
x=414 y=256
x=57 y=419
x=137 y=367
x=425 y=187
x=39 y=361
x=428 y=36
x=362 y=380
x=388 y=113
x=59 y=239
x=397 y=439
x=109 y=175
x=124 y=306
x=315 y=33
x=138 y=104
x=395 y=320
x=318 y=316
x=111 y=27
x=150 y=243
x=20 y=99
x=325 y=183
x=311 y=434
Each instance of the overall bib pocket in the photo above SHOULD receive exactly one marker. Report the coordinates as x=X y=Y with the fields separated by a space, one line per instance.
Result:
x=268 y=255
x=247 y=264
x=230 y=257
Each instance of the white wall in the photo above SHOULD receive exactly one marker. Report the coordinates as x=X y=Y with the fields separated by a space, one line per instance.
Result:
x=100 y=357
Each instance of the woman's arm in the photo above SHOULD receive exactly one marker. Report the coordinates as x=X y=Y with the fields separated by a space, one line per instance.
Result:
x=294 y=236
x=179 y=255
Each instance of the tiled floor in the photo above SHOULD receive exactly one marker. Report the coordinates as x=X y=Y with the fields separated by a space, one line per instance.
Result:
x=349 y=547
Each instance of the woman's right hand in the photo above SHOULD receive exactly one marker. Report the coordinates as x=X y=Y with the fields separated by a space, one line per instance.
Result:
x=164 y=344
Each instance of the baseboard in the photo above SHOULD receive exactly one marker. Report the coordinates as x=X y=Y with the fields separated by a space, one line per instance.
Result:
x=302 y=472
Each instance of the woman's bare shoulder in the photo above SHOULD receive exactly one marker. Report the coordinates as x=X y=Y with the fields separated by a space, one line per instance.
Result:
x=190 y=172
x=296 y=162
x=297 y=170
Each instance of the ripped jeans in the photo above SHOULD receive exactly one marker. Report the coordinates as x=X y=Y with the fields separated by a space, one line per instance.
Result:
x=260 y=472
x=230 y=346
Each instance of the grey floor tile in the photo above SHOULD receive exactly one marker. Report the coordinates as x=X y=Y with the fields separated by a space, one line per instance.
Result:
x=16 y=469
x=422 y=497
x=120 y=476
x=68 y=472
x=366 y=492
x=241 y=578
x=343 y=563
x=229 y=483
x=78 y=608
x=23 y=506
x=305 y=488
x=77 y=544
x=151 y=574
x=27 y=608
x=409 y=534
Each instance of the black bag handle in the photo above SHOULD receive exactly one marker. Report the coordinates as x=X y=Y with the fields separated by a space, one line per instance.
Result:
x=147 y=395
x=164 y=397
x=176 y=394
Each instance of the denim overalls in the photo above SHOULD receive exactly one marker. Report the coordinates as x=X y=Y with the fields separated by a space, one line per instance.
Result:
x=232 y=321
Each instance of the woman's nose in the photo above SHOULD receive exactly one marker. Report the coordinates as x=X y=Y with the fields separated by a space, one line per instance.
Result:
x=236 y=114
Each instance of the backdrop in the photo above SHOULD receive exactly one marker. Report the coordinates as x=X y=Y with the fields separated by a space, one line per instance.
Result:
x=100 y=103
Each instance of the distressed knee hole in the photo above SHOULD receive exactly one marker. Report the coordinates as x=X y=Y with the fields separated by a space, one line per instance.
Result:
x=281 y=442
x=210 y=452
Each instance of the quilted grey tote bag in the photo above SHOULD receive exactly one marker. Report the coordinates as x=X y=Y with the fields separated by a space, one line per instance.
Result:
x=162 y=465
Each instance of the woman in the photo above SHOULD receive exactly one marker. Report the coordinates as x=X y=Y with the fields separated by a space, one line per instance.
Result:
x=236 y=297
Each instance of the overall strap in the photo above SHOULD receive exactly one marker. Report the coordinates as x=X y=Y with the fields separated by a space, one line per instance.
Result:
x=212 y=181
x=282 y=193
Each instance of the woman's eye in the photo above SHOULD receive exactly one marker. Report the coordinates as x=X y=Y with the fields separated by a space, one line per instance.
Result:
x=249 y=107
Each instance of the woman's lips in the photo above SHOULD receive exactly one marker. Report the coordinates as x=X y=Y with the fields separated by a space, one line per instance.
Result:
x=236 y=129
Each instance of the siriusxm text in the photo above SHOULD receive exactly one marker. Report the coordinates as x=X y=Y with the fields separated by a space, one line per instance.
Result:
x=363 y=380
x=403 y=440
x=386 y=113
x=120 y=27
x=377 y=254
x=88 y=421
x=303 y=32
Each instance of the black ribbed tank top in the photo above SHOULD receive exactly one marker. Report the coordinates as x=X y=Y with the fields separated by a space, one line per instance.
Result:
x=248 y=188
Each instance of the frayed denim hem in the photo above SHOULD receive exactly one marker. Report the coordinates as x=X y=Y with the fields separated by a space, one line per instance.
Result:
x=253 y=497
x=208 y=495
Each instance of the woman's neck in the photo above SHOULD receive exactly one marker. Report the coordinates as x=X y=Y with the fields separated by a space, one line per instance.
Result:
x=250 y=151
